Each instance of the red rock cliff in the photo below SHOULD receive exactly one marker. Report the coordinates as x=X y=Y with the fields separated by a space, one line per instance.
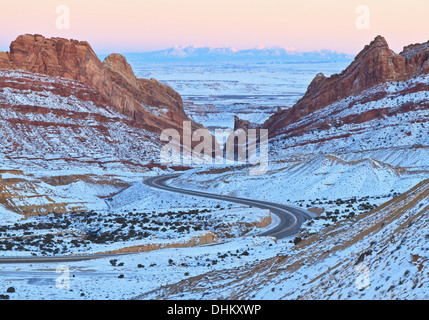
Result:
x=375 y=64
x=114 y=78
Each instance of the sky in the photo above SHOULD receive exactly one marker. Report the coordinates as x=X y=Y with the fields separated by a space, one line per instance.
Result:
x=148 y=25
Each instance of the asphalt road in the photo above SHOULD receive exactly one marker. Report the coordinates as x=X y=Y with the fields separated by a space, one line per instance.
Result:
x=291 y=218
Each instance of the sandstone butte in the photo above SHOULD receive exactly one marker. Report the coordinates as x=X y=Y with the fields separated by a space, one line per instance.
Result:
x=374 y=65
x=113 y=79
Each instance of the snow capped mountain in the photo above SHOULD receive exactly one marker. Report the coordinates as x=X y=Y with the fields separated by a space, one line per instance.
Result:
x=210 y=53
x=183 y=51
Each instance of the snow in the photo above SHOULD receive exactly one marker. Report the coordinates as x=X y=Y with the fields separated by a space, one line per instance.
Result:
x=49 y=136
x=7 y=216
x=305 y=178
x=382 y=255
x=98 y=279
x=380 y=137
x=215 y=93
x=349 y=181
x=141 y=196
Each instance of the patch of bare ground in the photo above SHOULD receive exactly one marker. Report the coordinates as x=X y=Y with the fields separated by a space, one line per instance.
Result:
x=94 y=179
x=207 y=238
x=17 y=195
x=224 y=229
x=222 y=170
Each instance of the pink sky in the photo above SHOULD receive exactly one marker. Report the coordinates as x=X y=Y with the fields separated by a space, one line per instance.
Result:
x=145 y=25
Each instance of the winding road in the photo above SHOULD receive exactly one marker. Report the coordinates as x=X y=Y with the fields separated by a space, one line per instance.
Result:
x=291 y=219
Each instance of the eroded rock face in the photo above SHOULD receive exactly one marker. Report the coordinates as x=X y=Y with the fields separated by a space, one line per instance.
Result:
x=158 y=94
x=149 y=92
x=374 y=65
x=241 y=124
x=58 y=57
x=114 y=78
x=121 y=71
x=4 y=60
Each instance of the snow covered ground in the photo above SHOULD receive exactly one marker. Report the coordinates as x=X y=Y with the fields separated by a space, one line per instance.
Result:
x=98 y=213
x=325 y=184
x=136 y=207
x=130 y=275
x=382 y=254
x=55 y=130
x=400 y=127
x=126 y=276
x=355 y=184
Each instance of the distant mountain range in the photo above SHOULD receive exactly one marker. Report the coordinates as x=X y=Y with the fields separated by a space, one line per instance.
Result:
x=204 y=53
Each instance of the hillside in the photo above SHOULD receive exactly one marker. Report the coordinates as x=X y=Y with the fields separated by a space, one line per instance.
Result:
x=375 y=65
x=81 y=137
x=74 y=129
x=354 y=150
x=379 y=255
x=147 y=103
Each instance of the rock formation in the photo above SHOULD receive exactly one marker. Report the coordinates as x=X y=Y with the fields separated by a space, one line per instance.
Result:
x=374 y=65
x=113 y=79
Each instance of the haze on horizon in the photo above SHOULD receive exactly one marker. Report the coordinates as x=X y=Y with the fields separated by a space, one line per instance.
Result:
x=149 y=25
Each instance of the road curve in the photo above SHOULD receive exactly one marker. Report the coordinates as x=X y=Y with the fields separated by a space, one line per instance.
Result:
x=291 y=218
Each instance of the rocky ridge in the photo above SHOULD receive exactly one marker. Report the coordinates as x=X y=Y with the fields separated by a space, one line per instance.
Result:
x=113 y=79
x=376 y=64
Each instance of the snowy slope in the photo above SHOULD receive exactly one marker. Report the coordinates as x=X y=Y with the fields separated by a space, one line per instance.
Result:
x=380 y=255
x=380 y=121
x=46 y=119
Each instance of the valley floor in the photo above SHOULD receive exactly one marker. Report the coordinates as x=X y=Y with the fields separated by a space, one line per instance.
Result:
x=383 y=239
